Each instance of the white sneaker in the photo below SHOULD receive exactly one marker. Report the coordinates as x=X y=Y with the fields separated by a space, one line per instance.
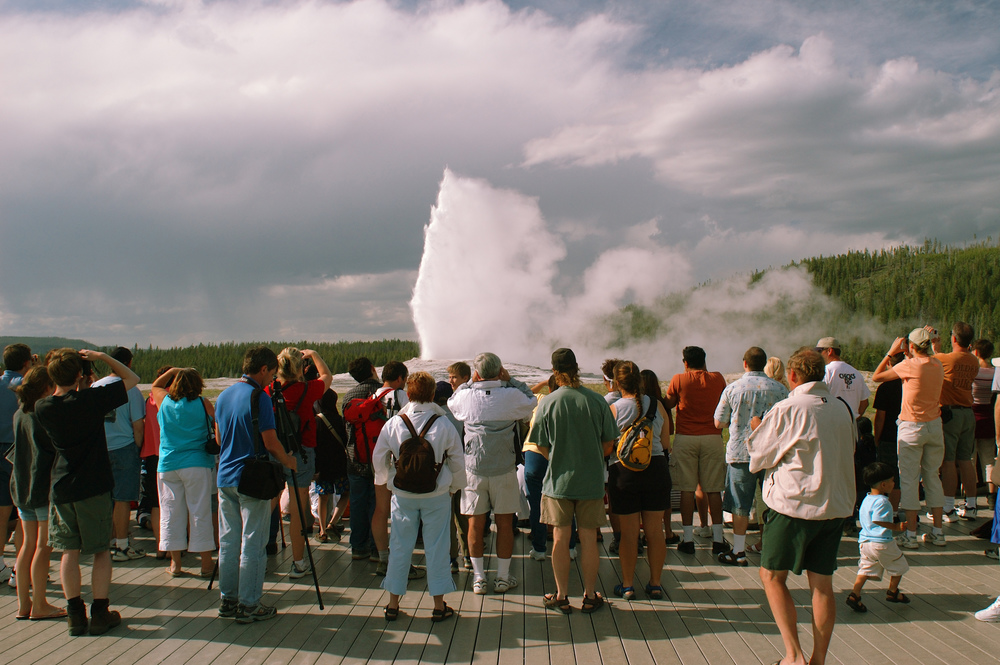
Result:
x=991 y=613
x=537 y=556
x=951 y=516
x=573 y=553
x=479 y=586
x=935 y=539
x=907 y=543
x=703 y=531
x=968 y=512
x=502 y=585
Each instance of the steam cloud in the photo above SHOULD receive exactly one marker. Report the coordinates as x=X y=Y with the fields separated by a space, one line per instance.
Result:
x=487 y=282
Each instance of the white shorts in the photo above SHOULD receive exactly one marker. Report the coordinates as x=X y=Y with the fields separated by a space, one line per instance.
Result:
x=876 y=557
x=501 y=494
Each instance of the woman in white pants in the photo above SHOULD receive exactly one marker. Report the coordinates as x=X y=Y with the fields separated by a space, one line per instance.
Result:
x=430 y=506
x=185 y=473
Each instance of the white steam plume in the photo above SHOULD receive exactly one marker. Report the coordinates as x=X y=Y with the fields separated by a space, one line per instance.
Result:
x=487 y=282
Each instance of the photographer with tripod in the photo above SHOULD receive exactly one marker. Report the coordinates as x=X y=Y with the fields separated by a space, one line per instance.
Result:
x=299 y=396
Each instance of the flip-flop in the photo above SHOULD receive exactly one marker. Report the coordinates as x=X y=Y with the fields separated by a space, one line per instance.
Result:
x=59 y=614
x=22 y=617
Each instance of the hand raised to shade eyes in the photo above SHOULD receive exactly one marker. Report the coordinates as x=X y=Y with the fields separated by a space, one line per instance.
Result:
x=897 y=346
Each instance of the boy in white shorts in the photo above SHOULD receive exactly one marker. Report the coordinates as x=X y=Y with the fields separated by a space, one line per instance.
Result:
x=879 y=551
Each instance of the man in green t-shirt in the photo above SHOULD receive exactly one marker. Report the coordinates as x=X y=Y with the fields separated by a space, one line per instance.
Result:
x=573 y=425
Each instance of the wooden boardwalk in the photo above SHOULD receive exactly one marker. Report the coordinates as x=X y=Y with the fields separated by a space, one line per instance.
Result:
x=715 y=615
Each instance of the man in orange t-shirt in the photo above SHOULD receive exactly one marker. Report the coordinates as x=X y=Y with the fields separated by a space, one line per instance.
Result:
x=698 y=451
x=960 y=370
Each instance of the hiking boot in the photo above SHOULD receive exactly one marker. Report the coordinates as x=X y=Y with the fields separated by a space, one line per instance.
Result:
x=228 y=608
x=615 y=542
x=77 y=623
x=128 y=554
x=359 y=555
x=102 y=621
x=258 y=612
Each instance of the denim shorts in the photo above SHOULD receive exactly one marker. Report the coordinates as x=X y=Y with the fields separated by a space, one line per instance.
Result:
x=126 y=467
x=34 y=514
x=305 y=468
x=741 y=488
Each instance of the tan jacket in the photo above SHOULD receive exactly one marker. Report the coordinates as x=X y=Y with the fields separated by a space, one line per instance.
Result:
x=806 y=445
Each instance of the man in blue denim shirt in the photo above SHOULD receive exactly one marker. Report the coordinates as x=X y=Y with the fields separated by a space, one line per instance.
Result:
x=243 y=520
x=749 y=397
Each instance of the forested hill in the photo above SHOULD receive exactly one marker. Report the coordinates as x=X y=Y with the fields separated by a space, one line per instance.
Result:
x=908 y=286
x=226 y=359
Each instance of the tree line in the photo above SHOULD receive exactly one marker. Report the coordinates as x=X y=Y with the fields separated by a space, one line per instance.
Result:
x=226 y=359
x=904 y=287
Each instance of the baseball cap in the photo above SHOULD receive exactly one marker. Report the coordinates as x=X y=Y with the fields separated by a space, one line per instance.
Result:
x=827 y=343
x=564 y=360
x=920 y=337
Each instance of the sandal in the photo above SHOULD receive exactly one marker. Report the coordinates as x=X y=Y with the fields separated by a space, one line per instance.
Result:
x=733 y=558
x=391 y=613
x=442 y=614
x=654 y=592
x=552 y=603
x=854 y=602
x=896 y=596
x=625 y=592
x=592 y=604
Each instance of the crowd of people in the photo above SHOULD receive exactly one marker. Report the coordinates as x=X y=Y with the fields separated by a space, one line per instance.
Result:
x=441 y=462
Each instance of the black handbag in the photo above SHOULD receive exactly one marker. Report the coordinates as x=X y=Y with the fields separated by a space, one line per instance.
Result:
x=262 y=477
x=211 y=445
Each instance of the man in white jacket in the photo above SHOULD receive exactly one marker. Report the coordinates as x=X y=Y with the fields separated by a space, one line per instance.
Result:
x=805 y=443
x=490 y=407
x=410 y=509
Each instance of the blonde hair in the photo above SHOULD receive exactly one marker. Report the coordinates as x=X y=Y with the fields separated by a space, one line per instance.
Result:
x=776 y=370
x=290 y=364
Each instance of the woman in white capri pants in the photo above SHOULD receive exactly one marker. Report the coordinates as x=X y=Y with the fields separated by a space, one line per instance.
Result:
x=430 y=507
x=185 y=473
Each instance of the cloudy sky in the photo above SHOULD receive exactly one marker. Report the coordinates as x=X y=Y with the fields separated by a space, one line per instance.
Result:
x=183 y=171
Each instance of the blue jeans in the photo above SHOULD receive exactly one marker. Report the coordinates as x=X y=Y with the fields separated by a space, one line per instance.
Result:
x=243 y=524
x=535 y=466
x=408 y=513
x=362 y=509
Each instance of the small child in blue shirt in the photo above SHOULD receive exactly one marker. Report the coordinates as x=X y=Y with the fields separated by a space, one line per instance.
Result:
x=879 y=551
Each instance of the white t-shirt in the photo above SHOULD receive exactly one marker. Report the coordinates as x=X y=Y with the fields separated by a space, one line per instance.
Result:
x=847 y=383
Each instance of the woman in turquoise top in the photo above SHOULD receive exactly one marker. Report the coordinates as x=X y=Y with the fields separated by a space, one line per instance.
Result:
x=185 y=473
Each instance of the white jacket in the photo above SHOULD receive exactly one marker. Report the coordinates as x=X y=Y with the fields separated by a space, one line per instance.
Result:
x=443 y=438
x=806 y=444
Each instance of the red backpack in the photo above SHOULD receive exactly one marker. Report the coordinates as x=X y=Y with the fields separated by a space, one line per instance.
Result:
x=366 y=416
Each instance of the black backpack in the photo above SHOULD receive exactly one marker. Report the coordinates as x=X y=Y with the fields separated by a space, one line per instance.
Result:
x=288 y=424
x=416 y=470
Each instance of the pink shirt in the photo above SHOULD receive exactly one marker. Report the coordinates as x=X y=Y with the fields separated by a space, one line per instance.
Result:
x=922 y=380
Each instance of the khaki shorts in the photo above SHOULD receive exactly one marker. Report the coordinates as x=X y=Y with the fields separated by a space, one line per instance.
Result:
x=501 y=494
x=81 y=525
x=876 y=557
x=589 y=513
x=699 y=460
